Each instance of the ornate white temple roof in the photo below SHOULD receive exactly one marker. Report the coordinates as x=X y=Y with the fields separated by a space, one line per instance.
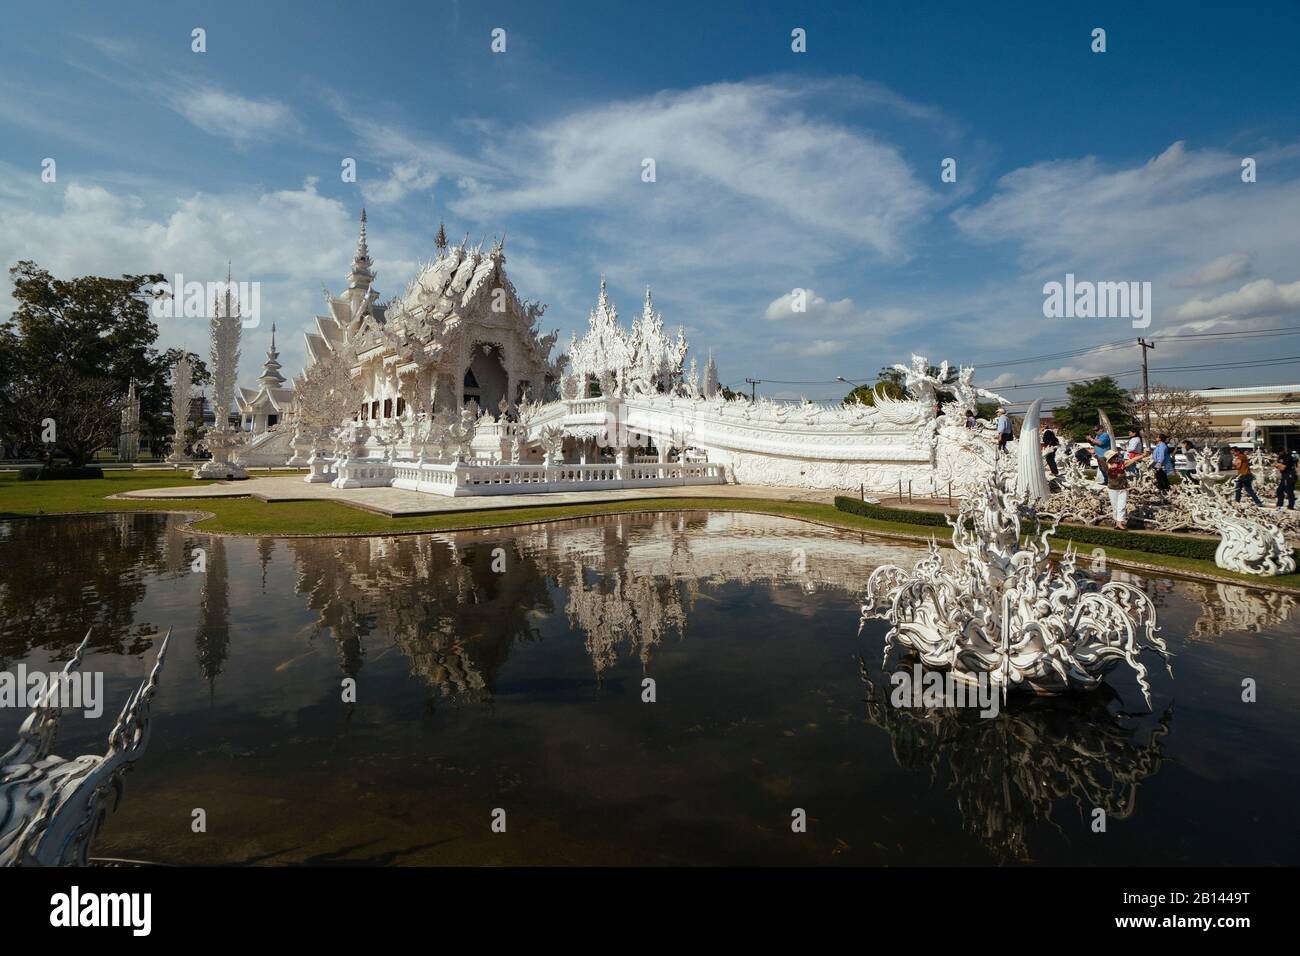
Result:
x=461 y=286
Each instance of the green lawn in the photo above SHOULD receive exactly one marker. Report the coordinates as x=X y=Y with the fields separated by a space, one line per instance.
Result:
x=249 y=516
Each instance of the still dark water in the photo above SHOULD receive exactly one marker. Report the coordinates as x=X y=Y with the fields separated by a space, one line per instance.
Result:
x=480 y=688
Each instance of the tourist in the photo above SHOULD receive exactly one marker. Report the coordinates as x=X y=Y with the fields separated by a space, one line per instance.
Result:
x=1003 y=425
x=1245 y=479
x=1188 y=469
x=1163 y=462
x=970 y=418
x=1133 y=450
x=1285 y=466
x=1049 y=443
x=1100 y=442
x=1115 y=468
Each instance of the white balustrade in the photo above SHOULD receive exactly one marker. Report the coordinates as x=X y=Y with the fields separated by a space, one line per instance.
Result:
x=494 y=478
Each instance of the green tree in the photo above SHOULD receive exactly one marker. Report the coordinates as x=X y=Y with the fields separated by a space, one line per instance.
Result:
x=68 y=351
x=1079 y=415
x=889 y=382
x=866 y=394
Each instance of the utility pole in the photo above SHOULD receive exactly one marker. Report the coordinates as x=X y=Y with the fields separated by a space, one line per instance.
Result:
x=753 y=384
x=1146 y=391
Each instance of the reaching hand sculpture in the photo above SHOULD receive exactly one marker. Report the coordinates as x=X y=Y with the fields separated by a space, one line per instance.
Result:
x=1005 y=612
x=55 y=807
x=966 y=394
x=920 y=384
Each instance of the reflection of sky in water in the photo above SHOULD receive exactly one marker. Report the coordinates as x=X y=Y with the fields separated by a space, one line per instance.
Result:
x=522 y=690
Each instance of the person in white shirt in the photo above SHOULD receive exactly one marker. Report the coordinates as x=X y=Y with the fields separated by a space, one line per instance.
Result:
x=1003 y=425
x=1133 y=450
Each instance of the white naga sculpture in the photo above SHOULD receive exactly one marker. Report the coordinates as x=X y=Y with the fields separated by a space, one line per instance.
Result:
x=50 y=808
x=1004 y=613
x=182 y=383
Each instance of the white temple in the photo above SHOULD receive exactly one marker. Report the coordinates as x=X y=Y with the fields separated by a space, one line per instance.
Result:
x=451 y=388
x=264 y=407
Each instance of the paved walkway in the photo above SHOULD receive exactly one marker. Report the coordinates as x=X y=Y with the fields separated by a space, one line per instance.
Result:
x=396 y=502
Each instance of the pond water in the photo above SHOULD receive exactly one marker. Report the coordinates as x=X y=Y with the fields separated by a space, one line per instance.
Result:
x=504 y=670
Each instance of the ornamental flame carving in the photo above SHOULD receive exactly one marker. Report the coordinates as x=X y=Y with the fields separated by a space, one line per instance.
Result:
x=1004 y=611
x=1246 y=544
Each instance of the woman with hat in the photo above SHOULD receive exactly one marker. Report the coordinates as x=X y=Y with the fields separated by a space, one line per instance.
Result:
x=1117 y=486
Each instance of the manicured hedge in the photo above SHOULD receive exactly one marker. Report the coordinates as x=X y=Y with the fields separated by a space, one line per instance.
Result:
x=1177 y=545
x=1182 y=546
x=854 y=506
x=58 y=472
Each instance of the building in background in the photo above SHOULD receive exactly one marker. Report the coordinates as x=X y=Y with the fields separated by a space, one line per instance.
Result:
x=1266 y=415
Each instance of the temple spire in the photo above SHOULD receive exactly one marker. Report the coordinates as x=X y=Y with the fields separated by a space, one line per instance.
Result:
x=271 y=377
x=362 y=276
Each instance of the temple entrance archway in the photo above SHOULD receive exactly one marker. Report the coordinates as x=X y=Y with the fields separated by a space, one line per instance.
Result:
x=485 y=379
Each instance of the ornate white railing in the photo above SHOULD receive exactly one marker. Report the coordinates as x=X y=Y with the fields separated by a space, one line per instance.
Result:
x=463 y=479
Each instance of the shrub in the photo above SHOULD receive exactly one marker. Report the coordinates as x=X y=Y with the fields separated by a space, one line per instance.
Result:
x=58 y=472
x=853 y=506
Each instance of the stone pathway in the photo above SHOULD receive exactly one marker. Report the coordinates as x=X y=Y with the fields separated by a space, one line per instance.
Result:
x=395 y=502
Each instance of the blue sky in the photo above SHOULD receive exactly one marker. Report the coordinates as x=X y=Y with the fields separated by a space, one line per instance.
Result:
x=775 y=170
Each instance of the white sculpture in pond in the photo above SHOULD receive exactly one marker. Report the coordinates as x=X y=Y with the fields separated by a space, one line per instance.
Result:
x=1003 y=612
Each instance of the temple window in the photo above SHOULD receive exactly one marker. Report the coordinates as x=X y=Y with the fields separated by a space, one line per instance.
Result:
x=401 y=406
x=388 y=408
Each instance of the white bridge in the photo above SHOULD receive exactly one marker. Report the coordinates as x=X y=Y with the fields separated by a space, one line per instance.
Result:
x=663 y=440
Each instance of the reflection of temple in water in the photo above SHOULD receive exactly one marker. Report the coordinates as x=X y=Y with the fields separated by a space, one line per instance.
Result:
x=62 y=576
x=446 y=609
x=1009 y=770
x=1230 y=607
x=628 y=584
x=212 y=639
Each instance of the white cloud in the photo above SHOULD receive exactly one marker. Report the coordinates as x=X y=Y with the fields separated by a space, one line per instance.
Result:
x=1260 y=297
x=1232 y=266
x=816 y=308
x=739 y=167
x=817 y=348
x=1164 y=216
x=414 y=163
x=291 y=241
x=222 y=113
